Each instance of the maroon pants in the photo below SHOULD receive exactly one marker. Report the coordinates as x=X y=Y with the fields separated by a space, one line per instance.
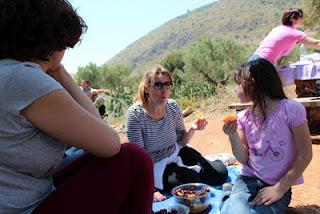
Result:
x=121 y=184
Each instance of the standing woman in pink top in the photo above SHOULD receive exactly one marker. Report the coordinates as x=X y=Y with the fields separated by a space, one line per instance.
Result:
x=280 y=42
x=282 y=39
x=271 y=140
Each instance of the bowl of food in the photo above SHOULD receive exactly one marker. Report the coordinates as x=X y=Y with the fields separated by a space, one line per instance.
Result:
x=195 y=196
x=171 y=209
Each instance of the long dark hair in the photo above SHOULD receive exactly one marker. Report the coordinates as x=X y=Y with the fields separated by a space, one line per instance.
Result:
x=259 y=79
x=292 y=13
x=34 y=29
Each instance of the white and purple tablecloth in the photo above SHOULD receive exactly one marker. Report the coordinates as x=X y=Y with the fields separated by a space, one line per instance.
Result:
x=308 y=69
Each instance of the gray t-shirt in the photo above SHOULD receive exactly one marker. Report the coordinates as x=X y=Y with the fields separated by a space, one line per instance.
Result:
x=27 y=155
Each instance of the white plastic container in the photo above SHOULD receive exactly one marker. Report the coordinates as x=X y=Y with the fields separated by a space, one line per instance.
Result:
x=303 y=52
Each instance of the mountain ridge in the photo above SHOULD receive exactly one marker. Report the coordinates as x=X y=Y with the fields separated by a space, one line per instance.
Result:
x=246 y=21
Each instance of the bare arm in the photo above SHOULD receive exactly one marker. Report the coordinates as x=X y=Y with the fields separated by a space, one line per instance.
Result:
x=65 y=79
x=133 y=129
x=311 y=42
x=186 y=137
x=301 y=138
x=101 y=90
x=238 y=141
x=197 y=125
x=69 y=116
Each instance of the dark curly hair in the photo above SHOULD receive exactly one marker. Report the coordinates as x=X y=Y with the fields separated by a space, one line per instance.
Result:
x=259 y=79
x=291 y=13
x=33 y=29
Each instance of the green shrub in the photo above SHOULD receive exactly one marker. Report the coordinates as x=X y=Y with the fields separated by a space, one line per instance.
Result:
x=119 y=102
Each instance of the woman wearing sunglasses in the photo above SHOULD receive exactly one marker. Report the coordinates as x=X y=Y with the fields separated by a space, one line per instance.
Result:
x=156 y=124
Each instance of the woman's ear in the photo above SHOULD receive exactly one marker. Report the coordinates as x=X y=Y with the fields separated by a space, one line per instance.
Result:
x=146 y=92
x=293 y=20
x=146 y=89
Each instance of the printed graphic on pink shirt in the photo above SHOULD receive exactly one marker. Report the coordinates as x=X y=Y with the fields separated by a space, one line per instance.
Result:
x=265 y=151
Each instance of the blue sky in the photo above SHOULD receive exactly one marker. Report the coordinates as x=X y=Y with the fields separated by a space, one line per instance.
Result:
x=115 y=24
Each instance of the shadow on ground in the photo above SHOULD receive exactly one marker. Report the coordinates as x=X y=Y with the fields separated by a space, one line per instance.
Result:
x=308 y=209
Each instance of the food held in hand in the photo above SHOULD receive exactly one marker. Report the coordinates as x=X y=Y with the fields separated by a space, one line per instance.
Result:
x=200 y=116
x=230 y=118
x=227 y=187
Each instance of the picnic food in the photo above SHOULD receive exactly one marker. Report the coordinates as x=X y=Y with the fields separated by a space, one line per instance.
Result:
x=200 y=116
x=193 y=195
x=165 y=211
x=200 y=121
x=227 y=187
x=172 y=209
x=230 y=118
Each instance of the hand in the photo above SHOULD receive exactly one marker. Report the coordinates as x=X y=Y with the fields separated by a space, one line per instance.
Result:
x=199 y=124
x=268 y=195
x=230 y=127
x=157 y=196
x=58 y=73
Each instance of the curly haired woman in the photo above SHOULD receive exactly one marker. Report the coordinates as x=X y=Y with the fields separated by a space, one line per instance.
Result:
x=42 y=109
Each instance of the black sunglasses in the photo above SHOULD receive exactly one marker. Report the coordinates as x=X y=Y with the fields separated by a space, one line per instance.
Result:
x=160 y=85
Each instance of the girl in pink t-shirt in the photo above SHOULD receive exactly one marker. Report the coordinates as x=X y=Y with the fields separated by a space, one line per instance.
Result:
x=282 y=39
x=271 y=140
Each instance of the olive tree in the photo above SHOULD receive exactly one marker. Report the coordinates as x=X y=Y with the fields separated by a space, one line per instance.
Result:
x=311 y=12
x=213 y=59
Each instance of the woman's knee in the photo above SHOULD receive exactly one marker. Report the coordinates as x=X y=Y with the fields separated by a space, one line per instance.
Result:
x=236 y=203
x=175 y=175
x=186 y=151
x=216 y=173
x=137 y=154
x=132 y=147
x=220 y=168
x=190 y=156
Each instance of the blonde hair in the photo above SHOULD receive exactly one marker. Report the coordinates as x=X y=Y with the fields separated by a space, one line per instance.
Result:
x=147 y=79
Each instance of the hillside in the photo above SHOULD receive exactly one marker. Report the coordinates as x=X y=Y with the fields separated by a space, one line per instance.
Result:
x=247 y=21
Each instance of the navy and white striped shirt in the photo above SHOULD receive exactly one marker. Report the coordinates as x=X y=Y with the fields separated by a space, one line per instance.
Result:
x=157 y=137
